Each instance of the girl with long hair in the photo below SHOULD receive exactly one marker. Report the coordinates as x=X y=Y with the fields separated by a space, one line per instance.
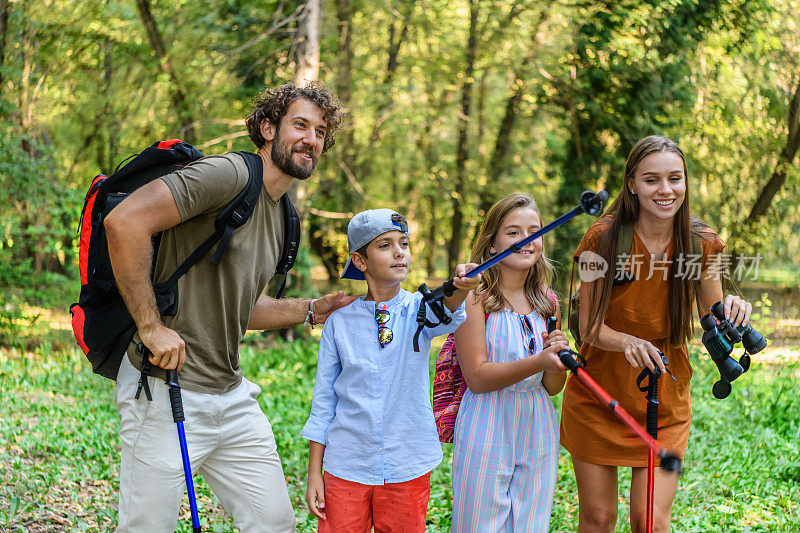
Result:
x=505 y=444
x=674 y=261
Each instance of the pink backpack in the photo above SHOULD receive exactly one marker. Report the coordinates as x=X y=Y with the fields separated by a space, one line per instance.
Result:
x=449 y=386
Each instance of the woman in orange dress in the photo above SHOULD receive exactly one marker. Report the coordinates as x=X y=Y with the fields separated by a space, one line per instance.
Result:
x=623 y=327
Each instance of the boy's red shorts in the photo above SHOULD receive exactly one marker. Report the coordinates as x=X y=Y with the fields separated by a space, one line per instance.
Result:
x=351 y=507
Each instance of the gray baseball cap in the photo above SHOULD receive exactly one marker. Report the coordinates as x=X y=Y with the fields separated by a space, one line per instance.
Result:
x=364 y=227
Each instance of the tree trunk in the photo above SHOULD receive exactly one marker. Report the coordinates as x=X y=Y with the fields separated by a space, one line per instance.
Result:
x=786 y=159
x=392 y=62
x=384 y=106
x=344 y=79
x=430 y=236
x=331 y=190
x=306 y=60
x=454 y=246
x=165 y=64
x=498 y=164
x=106 y=146
x=4 y=11
x=306 y=45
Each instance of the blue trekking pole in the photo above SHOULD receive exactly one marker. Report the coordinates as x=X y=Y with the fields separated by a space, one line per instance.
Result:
x=177 y=415
x=590 y=202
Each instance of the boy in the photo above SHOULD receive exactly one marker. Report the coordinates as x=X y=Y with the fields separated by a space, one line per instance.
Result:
x=371 y=417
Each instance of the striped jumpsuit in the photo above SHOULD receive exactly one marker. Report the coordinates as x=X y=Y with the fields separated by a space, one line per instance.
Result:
x=505 y=446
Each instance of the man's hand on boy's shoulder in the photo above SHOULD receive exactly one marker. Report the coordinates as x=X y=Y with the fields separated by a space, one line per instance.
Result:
x=464 y=283
x=323 y=307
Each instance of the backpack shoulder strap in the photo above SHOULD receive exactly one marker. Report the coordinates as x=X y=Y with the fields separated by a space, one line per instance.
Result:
x=695 y=243
x=291 y=242
x=571 y=285
x=234 y=215
x=624 y=241
x=624 y=245
x=551 y=295
x=239 y=210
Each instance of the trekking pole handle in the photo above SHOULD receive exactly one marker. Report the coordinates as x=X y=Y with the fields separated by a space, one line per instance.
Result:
x=448 y=288
x=652 y=409
x=175 y=396
x=568 y=360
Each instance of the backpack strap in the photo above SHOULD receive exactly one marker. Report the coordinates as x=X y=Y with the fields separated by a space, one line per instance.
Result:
x=234 y=215
x=291 y=242
x=624 y=246
x=695 y=243
x=571 y=286
x=625 y=243
x=238 y=211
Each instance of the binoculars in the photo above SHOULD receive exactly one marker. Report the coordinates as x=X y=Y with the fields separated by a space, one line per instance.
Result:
x=720 y=338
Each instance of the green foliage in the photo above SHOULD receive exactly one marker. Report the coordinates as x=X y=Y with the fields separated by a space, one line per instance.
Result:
x=37 y=216
x=762 y=317
x=560 y=93
x=578 y=83
x=59 y=447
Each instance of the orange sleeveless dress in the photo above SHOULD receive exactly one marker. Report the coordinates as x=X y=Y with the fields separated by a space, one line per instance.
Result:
x=589 y=430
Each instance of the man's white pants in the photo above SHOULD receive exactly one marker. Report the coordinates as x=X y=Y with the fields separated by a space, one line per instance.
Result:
x=230 y=443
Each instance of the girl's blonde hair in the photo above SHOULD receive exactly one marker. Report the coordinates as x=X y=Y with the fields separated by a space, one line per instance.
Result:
x=537 y=283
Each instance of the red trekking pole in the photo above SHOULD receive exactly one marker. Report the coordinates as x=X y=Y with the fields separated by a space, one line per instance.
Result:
x=668 y=461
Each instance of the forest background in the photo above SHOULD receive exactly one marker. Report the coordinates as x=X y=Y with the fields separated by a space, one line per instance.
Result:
x=451 y=105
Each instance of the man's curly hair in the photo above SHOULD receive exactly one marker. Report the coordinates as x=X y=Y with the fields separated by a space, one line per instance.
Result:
x=272 y=104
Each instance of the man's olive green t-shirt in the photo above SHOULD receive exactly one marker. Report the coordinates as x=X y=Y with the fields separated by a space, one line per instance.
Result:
x=215 y=301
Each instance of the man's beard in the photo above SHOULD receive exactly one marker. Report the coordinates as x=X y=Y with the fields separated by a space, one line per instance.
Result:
x=282 y=157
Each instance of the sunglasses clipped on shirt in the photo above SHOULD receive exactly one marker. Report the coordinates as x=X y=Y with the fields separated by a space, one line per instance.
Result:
x=384 y=333
x=527 y=331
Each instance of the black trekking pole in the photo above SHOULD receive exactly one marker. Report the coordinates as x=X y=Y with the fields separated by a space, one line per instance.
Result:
x=652 y=429
x=177 y=415
x=590 y=202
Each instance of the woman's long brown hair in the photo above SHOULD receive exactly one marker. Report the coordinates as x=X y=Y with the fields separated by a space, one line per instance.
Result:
x=625 y=210
x=537 y=283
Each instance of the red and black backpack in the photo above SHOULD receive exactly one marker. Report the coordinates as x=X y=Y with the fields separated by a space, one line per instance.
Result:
x=100 y=321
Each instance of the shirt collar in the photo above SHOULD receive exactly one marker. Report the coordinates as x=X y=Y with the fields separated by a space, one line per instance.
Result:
x=370 y=304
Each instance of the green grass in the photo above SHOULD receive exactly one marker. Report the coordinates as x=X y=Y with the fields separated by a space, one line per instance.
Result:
x=59 y=449
x=779 y=277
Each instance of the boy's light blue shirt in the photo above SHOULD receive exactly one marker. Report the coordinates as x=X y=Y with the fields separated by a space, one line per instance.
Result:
x=372 y=406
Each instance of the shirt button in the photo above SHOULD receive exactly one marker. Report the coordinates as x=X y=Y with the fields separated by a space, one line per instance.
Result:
x=380 y=449
x=378 y=421
x=379 y=395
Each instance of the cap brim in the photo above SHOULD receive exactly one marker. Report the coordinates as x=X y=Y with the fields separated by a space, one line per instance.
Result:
x=350 y=271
